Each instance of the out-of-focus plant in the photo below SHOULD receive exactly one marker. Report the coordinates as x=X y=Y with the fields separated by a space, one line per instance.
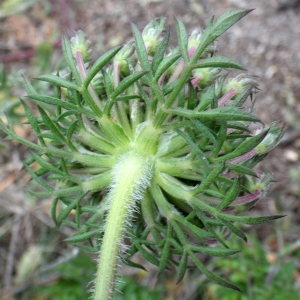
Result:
x=257 y=274
x=9 y=92
x=76 y=274
x=145 y=142
x=11 y=7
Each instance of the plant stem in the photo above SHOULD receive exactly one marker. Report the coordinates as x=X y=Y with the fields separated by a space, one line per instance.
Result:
x=132 y=176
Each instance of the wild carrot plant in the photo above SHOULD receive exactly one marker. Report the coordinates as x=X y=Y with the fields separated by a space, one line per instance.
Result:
x=149 y=141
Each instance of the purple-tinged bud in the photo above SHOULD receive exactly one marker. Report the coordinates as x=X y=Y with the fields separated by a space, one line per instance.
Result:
x=271 y=140
x=125 y=58
x=151 y=34
x=239 y=84
x=260 y=183
x=247 y=198
x=204 y=76
x=194 y=41
x=244 y=157
x=79 y=43
x=245 y=203
x=226 y=97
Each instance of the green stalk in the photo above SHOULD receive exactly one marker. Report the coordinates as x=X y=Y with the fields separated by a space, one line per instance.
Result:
x=132 y=176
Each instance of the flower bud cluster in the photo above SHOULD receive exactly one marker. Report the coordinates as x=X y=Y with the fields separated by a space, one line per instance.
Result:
x=241 y=83
x=79 y=43
x=125 y=58
x=194 y=41
x=152 y=34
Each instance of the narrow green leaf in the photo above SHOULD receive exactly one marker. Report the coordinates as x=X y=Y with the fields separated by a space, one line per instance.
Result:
x=213 y=277
x=242 y=97
x=66 y=211
x=196 y=230
x=217 y=114
x=212 y=32
x=235 y=230
x=218 y=62
x=206 y=221
x=52 y=101
x=206 y=99
x=67 y=113
x=50 y=125
x=143 y=94
x=141 y=49
x=205 y=130
x=209 y=179
x=72 y=129
x=57 y=193
x=58 y=81
x=214 y=251
x=195 y=147
x=147 y=255
x=99 y=64
x=57 y=102
x=240 y=169
x=89 y=249
x=226 y=20
x=43 y=163
x=31 y=91
x=28 y=86
x=182 y=39
x=70 y=223
x=11 y=133
x=37 y=178
x=219 y=85
x=33 y=122
x=165 y=64
x=192 y=98
x=127 y=82
x=170 y=87
x=160 y=52
x=82 y=236
x=107 y=83
x=230 y=196
x=166 y=251
x=220 y=140
x=48 y=135
x=127 y=98
x=67 y=51
x=131 y=263
x=182 y=266
x=53 y=210
x=249 y=220
x=244 y=147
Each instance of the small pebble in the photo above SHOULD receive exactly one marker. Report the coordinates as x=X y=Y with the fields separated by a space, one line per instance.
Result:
x=291 y=155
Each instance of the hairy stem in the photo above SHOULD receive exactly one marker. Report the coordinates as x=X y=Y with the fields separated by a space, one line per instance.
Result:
x=132 y=176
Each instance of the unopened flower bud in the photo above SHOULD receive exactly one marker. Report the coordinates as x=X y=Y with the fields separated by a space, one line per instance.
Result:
x=125 y=59
x=204 y=76
x=271 y=140
x=259 y=183
x=79 y=43
x=151 y=34
x=240 y=84
x=194 y=41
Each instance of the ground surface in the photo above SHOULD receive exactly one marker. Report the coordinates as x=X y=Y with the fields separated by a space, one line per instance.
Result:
x=266 y=42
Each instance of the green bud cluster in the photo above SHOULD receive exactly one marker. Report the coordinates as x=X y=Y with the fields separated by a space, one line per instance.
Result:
x=79 y=43
x=124 y=140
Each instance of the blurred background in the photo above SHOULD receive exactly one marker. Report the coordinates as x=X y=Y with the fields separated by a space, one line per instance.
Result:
x=35 y=262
